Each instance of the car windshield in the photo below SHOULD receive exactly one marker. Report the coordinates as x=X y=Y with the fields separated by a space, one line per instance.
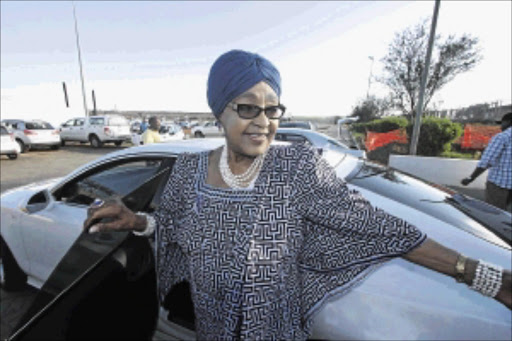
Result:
x=34 y=125
x=422 y=196
x=117 y=121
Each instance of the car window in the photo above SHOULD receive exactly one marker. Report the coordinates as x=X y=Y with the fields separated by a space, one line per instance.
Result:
x=38 y=125
x=4 y=131
x=94 y=121
x=295 y=138
x=117 y=180
x=117 y=121
x=79 y=122
x=68 y=123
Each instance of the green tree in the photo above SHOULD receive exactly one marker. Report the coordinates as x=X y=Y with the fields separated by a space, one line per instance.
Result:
x=405 y=61
x=370 y=108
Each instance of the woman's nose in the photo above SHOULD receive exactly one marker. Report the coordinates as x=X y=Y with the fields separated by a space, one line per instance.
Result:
x=261 y=120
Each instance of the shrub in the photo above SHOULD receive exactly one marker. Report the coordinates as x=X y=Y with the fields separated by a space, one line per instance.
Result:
x=382 y=125
x=436 y=135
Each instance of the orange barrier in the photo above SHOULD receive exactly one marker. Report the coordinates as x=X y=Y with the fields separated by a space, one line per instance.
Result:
x=376 y=140
x=476 y=137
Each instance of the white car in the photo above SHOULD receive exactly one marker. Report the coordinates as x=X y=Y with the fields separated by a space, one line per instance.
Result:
x=95 y=284
x=96 y=130
x=207 y=129
x=171 y=132
x=33 y=133
x=318 y=140
x=8 y=145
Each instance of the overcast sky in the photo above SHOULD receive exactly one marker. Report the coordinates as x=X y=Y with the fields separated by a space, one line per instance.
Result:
x=156 y=55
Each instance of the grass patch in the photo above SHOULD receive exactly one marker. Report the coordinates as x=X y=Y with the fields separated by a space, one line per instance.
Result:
x=457 y=155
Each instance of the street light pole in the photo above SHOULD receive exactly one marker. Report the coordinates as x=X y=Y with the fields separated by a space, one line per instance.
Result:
x=419 y=106
x=369 y=77
x=80 y=61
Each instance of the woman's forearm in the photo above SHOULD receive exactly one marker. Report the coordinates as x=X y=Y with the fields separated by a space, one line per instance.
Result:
x=437 y=257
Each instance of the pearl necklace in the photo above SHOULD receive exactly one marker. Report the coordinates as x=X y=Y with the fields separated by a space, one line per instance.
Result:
x=242 y=180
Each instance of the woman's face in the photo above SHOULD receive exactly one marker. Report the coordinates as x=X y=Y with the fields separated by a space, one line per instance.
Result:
x=250 y=137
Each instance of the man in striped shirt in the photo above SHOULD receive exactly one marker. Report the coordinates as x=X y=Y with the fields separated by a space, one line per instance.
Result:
x=498 y=157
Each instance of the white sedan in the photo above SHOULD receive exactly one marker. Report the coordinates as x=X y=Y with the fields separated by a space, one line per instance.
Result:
x=8 y=145
x=399 y=300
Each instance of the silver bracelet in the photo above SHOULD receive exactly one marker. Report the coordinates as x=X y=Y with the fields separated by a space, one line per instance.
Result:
x=487 y=279
x=150 y=226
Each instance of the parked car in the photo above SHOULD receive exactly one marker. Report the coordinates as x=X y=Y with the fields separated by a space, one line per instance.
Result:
x=33 y=133
x=107 y=280
x=8 y=145
x=96 y=130
x=297 y=124
x=321 y=141
x=207 y=129
x=135 y=126
x=171 y=132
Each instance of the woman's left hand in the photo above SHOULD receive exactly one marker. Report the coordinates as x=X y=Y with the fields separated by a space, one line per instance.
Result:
x=505 y=294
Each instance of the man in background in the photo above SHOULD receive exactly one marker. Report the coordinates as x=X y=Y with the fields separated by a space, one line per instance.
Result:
x=151 y=135
x=498 y=157
x=143 y=126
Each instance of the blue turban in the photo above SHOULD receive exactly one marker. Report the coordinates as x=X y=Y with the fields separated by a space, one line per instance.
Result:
x=235 y=72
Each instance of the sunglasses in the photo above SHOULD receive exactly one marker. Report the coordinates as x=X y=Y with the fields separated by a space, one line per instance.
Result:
x=249 y=111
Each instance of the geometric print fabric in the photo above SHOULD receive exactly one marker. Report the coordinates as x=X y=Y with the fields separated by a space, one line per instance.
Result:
x=261 y=262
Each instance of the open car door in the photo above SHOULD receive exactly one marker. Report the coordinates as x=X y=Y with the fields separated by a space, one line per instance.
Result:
x=105 y=285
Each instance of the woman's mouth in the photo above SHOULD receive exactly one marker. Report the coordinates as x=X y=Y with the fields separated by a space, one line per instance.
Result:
x=257 y=137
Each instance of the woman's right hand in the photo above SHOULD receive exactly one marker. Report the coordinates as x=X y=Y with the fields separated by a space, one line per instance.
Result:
x=112 y=215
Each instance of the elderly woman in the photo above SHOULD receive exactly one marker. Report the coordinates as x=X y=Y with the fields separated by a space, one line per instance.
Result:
x=265 y=234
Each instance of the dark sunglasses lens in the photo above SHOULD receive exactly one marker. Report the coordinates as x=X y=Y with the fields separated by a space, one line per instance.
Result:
x=248 y=111
x=273 y=112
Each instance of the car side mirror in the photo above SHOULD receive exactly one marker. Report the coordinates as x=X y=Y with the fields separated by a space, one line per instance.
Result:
x=36 y=203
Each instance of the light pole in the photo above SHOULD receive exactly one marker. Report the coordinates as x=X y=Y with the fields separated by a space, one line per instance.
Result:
x=369 y=77
x=80 y=61
x=419 y=106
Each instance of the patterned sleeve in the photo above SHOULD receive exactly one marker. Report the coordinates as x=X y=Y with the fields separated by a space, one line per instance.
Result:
x=170 y=260
x=324 y=200
x=492 y=152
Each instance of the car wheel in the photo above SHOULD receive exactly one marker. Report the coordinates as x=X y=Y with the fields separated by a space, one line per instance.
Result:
x=23 y=146
x=12 y=278
x=95 y=141
x=118 y=143
x=12 y=156
x=198 y=134
x=62 y=143
x=55 y=147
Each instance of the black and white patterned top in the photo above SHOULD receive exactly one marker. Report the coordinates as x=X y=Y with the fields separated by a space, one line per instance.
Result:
x=261 y=262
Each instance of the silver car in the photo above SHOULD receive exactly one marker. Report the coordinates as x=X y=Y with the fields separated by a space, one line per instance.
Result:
x=107 y=280
x=33 y=133
x=321 y=141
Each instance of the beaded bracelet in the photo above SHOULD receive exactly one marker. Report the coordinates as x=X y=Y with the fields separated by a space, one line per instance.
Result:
x=487 y=279
x=150 y=226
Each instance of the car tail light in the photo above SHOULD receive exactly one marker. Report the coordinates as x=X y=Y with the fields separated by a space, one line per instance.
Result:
x=29 y=132
x=12 y=136
x=107 y=130
x=56 y=132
